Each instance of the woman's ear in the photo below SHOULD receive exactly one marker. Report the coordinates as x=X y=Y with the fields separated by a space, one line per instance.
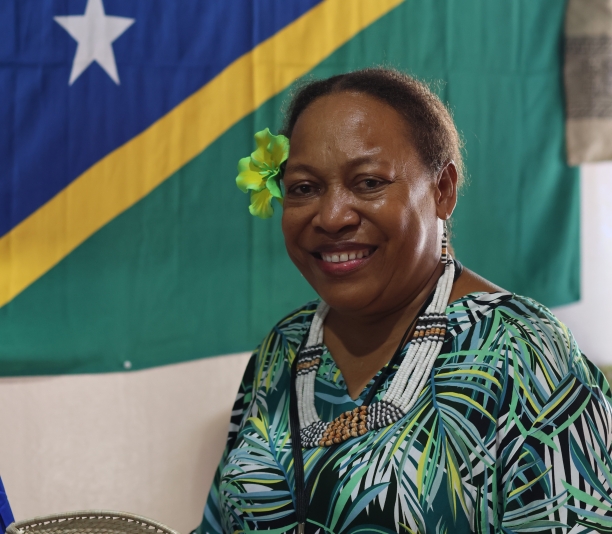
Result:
x=446 y=190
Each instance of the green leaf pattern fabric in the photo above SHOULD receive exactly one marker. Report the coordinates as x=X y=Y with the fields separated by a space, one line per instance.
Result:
x=512 y=433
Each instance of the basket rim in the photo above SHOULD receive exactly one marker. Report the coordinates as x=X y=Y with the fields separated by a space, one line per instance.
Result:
x=19 y=527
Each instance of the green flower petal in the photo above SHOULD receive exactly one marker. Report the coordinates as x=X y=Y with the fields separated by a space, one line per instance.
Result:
x=272 y=184
x=279 y=149
x=271 y=150
x=262 y=156
x=261 y=204
x=249 y=176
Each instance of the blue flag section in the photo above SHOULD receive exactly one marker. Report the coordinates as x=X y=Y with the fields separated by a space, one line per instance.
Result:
x=73 y=98
x=6 y=515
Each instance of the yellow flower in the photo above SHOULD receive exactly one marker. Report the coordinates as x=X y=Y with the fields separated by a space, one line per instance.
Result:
x=260 y=172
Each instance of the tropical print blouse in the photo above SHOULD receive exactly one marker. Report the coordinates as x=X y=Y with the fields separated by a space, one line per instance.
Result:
x=512 y=433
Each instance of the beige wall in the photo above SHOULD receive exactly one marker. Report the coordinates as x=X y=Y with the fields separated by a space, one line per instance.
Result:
x=146 y=442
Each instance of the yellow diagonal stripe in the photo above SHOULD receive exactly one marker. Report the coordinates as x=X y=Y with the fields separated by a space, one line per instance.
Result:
x=127 y=174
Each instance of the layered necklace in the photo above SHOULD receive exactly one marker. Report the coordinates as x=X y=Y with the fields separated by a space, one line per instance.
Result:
x=405 y=388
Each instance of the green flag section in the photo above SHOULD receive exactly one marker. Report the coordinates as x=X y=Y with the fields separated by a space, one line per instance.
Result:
x=186 y=272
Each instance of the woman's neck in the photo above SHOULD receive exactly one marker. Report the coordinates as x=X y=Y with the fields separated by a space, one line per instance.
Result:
x=362 y=343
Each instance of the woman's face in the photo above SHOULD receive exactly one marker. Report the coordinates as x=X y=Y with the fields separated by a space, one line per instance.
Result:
x=361 y=211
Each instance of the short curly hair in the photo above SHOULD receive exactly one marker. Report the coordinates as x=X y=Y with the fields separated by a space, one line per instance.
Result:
x=432 y=128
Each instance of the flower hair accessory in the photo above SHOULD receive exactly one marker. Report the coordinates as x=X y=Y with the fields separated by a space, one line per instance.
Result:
x=260 y=172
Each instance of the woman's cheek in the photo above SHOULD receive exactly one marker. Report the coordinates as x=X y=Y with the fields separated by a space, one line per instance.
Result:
x=292 y=232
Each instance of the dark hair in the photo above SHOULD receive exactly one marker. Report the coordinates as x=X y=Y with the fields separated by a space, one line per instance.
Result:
x=431 y=126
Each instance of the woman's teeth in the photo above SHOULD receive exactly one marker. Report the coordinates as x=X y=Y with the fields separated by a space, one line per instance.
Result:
x=345 y=256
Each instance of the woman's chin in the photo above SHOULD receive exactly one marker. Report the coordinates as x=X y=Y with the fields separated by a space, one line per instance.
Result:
x=351 y=299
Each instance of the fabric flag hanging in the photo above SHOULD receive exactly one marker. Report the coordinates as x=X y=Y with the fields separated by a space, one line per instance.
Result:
x=123 y=240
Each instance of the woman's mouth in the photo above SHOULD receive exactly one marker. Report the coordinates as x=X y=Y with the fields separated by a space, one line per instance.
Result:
x=343 y=261
x=345 y=256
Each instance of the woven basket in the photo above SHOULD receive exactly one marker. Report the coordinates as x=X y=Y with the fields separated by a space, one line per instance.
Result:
x=89 y=522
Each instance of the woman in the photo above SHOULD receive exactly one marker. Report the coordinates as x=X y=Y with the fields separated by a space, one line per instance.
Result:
x=485 y=418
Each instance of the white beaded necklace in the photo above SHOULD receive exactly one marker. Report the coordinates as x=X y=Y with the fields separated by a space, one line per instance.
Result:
x=405 y=387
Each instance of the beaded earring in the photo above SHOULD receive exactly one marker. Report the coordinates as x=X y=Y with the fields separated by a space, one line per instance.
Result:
x=444 y=257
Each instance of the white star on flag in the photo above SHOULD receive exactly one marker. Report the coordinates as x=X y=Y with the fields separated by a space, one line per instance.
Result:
x=94 y=32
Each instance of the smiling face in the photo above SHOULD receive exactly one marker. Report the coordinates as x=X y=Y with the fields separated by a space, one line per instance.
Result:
x=361 y=211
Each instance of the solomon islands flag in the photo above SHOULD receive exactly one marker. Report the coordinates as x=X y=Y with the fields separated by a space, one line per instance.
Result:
x=124 y=242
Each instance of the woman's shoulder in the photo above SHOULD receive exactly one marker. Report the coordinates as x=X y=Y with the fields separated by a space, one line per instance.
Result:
x=475 y=299
x=280 y=344
x=532 y=336
x=297 y=322
x=514 y=314
x=290 y=330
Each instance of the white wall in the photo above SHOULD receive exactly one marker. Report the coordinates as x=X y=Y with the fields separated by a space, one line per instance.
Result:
x=589 y=319
x=148 y=442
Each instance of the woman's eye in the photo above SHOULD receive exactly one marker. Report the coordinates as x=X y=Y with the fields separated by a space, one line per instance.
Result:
x=301 y=190
x=369 y=184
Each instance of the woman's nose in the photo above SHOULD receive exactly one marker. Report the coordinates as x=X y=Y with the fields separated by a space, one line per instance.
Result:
x=336 y=211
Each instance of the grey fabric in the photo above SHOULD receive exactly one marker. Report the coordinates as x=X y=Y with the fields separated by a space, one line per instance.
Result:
x=588 y=80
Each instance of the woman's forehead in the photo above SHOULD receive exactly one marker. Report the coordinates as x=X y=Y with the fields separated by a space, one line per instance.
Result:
x=350 y=123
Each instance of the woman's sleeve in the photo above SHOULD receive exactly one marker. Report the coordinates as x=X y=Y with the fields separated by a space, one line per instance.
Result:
x=212 y=522
x=555 y=453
